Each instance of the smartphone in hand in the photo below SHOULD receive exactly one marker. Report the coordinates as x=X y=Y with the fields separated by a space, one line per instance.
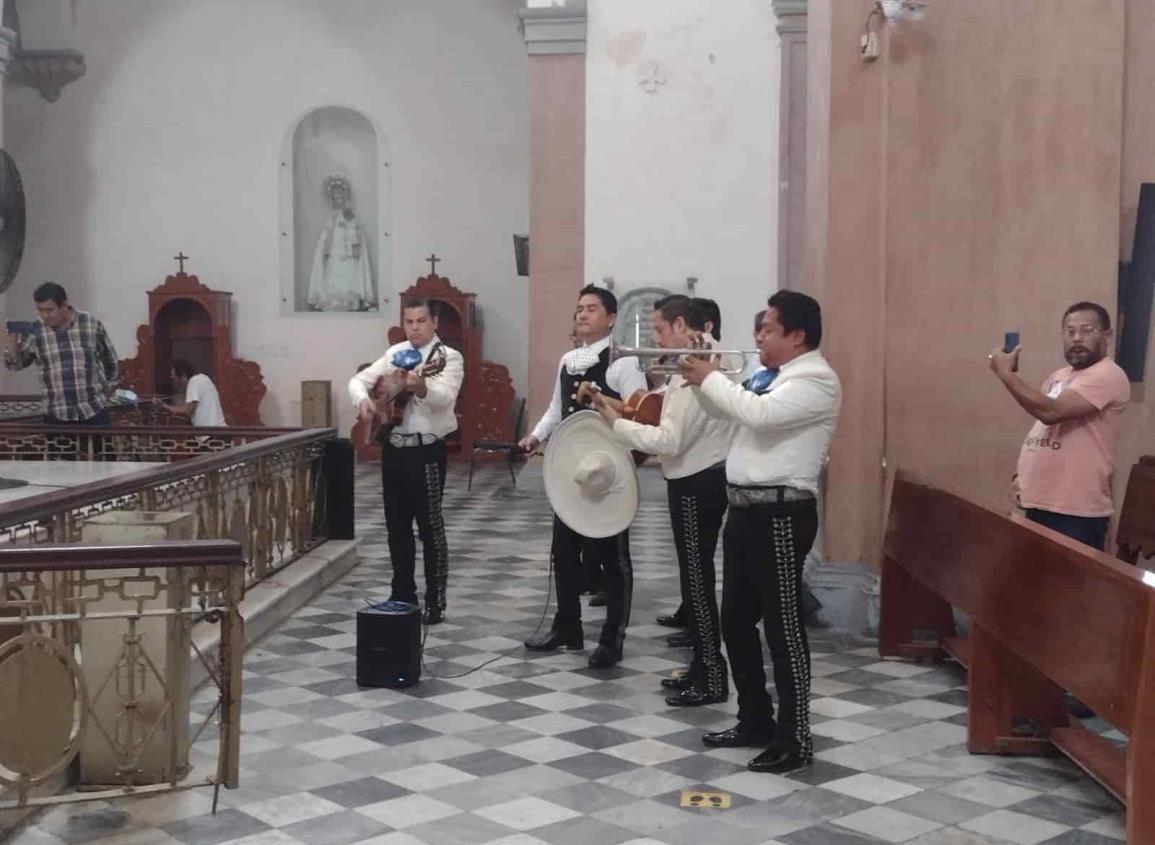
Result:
x=1010 y=341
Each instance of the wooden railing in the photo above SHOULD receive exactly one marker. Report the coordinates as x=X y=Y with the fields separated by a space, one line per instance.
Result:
x=1047 y=614
x=94 y=652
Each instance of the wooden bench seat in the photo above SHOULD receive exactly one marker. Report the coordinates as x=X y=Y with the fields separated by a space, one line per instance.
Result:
x=1047 y=614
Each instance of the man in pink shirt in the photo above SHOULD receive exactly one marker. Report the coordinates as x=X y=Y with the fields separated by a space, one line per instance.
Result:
x=1065 y=465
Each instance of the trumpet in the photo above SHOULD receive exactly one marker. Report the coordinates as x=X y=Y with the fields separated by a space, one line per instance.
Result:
x=665 y=361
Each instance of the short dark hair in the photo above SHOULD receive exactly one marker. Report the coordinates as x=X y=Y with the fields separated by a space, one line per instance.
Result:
x=50 y=291
x=710 y=314
x=677 y=305
x=1104 y=317
x=184 y=368
x=609 y=301
x=798 y=312
x=758 y=320
x=420 y=302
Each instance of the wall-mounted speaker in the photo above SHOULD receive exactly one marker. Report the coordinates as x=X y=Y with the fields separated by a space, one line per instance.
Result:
x=521 y=254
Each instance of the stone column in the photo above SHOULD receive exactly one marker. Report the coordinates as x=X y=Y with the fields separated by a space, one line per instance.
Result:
x=555 y=36
x=792 y=144
x=845 y=265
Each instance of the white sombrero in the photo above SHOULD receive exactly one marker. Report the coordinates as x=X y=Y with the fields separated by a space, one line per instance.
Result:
x=589 y=477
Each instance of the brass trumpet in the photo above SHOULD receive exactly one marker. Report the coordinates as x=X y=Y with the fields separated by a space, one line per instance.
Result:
x=665 y=361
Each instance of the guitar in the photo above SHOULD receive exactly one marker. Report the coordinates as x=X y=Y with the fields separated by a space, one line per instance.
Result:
x=390 y=409
x=641 y=406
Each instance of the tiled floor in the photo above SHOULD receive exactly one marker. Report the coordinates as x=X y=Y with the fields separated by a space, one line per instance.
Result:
x=540 y=749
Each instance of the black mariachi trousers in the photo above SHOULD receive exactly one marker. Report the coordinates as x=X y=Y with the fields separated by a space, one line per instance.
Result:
x=697 y=507
x=764 y=547
x=613 y=554
x=412 y=482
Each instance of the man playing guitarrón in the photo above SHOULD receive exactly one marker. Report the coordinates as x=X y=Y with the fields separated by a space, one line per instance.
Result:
x=597 y=310
x=413 y=451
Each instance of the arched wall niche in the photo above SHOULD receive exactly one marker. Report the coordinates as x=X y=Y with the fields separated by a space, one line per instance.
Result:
x=187 y=332
x=335 y=210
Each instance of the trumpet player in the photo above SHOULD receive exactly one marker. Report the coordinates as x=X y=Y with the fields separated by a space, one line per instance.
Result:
x=785 y=422
x=691 y=447
x=597 y=311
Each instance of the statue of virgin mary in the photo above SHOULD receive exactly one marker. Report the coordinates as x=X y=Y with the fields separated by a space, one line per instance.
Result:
x=342 y=278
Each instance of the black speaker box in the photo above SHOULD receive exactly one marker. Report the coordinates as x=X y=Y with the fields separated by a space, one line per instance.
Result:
x=388 y=645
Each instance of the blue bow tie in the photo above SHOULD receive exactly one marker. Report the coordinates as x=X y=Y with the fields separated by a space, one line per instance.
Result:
x=407 y=359
x=760 y=382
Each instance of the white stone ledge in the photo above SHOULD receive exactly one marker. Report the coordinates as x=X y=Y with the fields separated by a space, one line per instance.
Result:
x=269 y=603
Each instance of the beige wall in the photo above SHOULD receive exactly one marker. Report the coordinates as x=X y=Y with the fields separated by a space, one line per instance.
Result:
x=557 y=215
x=844 y=263
x=971 y=187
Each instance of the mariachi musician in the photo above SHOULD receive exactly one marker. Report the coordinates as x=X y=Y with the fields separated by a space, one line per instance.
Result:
x=691 y=447
x=413 y=447
x=596 y=313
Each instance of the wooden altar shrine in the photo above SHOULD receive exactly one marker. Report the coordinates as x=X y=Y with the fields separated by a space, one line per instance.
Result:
x=188 y=320
x=487 y=394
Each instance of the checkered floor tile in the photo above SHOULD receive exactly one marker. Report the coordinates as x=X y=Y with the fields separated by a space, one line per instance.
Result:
x=536 y=749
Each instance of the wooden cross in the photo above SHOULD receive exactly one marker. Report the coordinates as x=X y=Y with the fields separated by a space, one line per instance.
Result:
x=182 y=258
x=433 y=259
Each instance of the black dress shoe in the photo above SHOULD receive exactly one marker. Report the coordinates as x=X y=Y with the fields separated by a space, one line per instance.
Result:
x=604 y=656
x=673 y=620
x=692 y=697
x=778 y=761
x=598 y=599
x=677 y=683
x=553 y=640
x=682 y=639
x=739 y=736
x=433 y=616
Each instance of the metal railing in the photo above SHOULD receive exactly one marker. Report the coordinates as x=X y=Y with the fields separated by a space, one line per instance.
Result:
x=94 y=649
x=264 y=488
x=28 y=408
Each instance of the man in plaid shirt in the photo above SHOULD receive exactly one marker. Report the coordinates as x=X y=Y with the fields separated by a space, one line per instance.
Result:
x=78 y=364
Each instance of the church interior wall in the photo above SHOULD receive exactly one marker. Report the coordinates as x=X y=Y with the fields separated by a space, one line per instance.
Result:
x=990 y=165
x=173 y=141
x=682 y=151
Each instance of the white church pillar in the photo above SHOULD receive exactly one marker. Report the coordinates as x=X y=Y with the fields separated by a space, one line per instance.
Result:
x=555 y=37
x=791 y=27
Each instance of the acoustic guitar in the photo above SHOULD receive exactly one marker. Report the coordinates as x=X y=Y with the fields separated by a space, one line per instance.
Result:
x=390 y=410
x=641 y=406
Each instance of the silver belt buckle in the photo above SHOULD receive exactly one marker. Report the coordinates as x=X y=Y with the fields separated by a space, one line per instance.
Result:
x=744 y=497
x=400 y=441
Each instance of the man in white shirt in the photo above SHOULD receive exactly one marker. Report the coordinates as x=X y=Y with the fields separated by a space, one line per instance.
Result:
x=691 y=447
x=202 y=403
x=596 y=312
x=413 y=452
x=772 y=469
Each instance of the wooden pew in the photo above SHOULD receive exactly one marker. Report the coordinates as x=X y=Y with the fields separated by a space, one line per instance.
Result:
x=1135 y=537
x=1047 y=614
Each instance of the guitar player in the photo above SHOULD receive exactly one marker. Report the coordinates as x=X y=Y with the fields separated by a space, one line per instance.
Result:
x=413 y=448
